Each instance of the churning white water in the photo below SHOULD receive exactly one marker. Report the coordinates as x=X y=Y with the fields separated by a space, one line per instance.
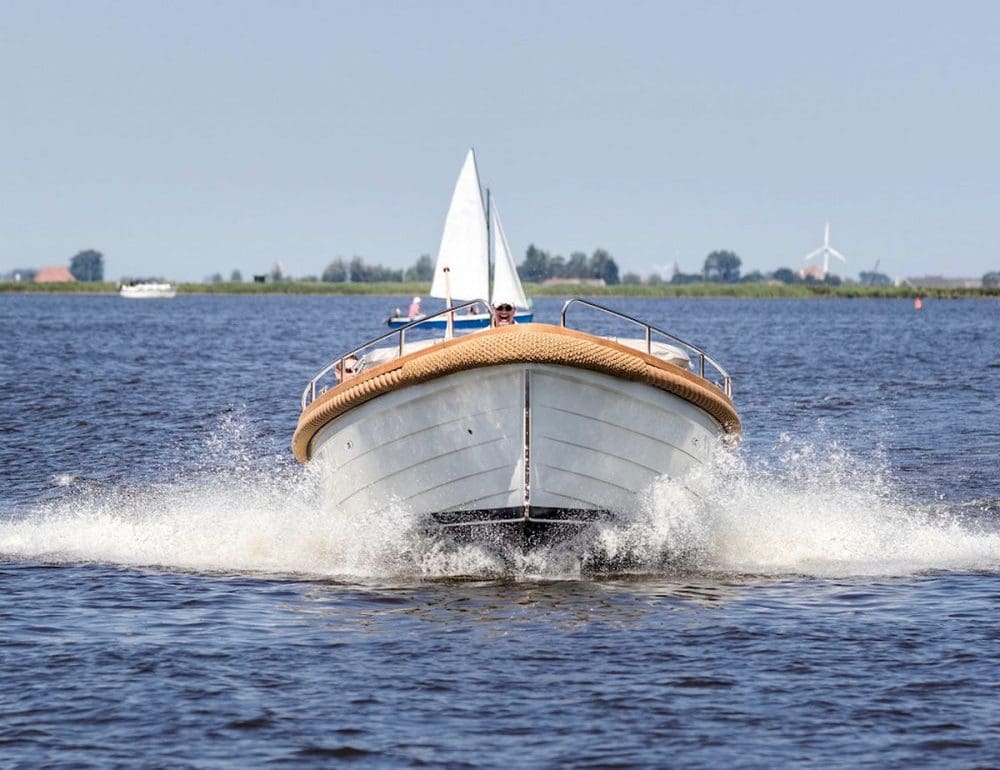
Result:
x=811 y=510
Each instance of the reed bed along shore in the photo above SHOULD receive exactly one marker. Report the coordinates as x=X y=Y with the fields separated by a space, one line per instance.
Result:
x=741 y=290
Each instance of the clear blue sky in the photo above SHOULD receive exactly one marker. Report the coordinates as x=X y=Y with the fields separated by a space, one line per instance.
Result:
x=186 y=138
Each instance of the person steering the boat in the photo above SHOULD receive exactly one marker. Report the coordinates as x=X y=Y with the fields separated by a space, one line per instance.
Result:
x=504 y=314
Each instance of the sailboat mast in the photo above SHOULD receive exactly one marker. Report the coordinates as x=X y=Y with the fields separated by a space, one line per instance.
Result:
x=489 y=247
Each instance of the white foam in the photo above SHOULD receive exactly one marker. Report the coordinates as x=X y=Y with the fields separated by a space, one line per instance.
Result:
x=269 y=521
x=813 y=510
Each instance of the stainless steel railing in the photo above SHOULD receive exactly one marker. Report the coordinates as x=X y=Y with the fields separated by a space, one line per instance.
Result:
x=336 y=370
x=353 y=362
x=725 y=383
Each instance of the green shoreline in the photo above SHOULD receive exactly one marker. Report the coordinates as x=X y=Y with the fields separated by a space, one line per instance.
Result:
x=733 y=290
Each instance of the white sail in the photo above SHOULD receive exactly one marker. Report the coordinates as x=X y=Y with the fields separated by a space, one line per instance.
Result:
x=506 y=283
x=463 y=243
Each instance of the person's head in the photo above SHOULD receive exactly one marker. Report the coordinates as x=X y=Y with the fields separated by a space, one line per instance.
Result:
x=504 y=314
x=347 y=367
x=416 y=300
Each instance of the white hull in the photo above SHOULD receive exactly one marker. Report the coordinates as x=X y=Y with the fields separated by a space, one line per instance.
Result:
x=512 y=442
x=148 y=291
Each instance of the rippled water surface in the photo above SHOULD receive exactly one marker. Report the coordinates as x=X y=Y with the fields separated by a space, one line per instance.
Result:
x=176 y=593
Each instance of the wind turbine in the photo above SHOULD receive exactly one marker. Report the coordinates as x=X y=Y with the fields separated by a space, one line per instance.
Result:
x=825 y=251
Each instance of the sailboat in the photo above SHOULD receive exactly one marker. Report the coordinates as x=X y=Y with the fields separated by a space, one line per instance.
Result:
x=473 y=238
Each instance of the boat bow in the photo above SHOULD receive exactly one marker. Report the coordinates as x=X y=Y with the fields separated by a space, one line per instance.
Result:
x=516 y=344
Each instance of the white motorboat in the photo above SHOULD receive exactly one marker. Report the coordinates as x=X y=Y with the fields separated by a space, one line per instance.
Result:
x=472 y=243
x=534 y=430
x=148 y=290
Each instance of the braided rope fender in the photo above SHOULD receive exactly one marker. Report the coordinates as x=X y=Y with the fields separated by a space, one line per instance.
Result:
x=515 y=344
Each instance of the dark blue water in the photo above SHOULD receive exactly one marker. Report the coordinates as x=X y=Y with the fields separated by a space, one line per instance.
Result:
x=175 y=593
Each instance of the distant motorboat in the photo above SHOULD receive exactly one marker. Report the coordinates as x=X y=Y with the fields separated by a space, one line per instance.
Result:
x=148 y=290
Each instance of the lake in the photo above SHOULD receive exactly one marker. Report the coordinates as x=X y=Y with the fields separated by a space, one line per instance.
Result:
x=176 y=594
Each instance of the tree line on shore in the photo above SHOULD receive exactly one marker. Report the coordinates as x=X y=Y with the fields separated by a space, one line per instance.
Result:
x=538 y=266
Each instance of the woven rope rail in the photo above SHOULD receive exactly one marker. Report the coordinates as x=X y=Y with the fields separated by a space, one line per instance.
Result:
x=522 y=343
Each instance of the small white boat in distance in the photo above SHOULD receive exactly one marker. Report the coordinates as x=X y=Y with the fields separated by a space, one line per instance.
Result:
x=148 y=290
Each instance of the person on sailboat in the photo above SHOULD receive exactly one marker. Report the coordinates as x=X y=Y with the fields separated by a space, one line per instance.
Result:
x=414 y=310
x=504 y=314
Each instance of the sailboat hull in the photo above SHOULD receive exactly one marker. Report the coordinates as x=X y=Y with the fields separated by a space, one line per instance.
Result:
x=470 y=321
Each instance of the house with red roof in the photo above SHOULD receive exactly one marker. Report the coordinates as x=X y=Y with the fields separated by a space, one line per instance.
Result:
x=53 y=274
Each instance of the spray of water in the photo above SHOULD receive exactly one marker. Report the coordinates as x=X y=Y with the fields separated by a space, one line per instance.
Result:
x=814 y=510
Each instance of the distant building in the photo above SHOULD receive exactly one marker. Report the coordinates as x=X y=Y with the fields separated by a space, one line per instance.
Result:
x=942 y=282
x=19 y=274
x=812 y=271
x=54 y=274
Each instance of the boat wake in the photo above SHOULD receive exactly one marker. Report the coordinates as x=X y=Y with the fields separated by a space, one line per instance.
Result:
x=810 y=510
x=813 y=510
